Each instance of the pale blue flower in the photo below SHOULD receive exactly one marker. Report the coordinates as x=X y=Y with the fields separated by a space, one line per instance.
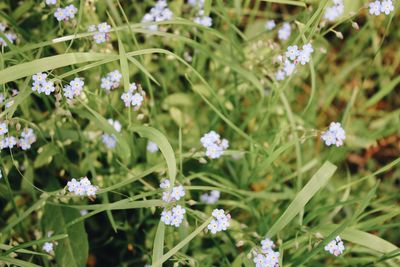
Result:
x=375 y=8
x=110 y=141
x=48 y=247
x=3 y=128
x=387 y=7
x=151 y=147
x=270 y=24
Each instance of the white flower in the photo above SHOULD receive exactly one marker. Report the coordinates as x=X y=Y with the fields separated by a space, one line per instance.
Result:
x=304 y=57
x=292 y=52
x=104 y=27
x=213 y=226
x=375 y=8
x=165 y=184
x=83 y=212
x=280 y=75
x=166 y=217
x=196 y=3
x=308 y=48
x=109 y=140
x=267 y=244
x=270 y=24
x=116 y=124
x=335 y=247
x=289 y=67
x=3 y=128
x=387 y=7
x=137 y=100
x=151 y=147
x=211 y=198
x=178 y=192
x=160 y=12
x=71 y=10
x=48 y=247
x=214 y=146
x=91 y=190
x=39 y=77
x=335 y=11
x=60 y=14
x=206 y=21
x=335 y=135
x=284 y=32
x=47 y=88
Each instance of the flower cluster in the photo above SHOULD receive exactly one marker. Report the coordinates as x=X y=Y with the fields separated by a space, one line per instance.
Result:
x=335 y=135
x=213 y=144
x=110 y=140
x=284 y=32
x=270 y=24
x=201 y=19
x=10 y=36
x=111 y=81
x=267 y=256
x=65 y=13
x=103 y=32
x=160 y=12
x=41 y=85
x=133 y=97
x=211 y=198
x=25 y=141
x=151 y=147
x=173 y=216
x=294 y=56
x=82 y=187
x=378 y=7
x=74 y=88
x=335 y=247
x=221 y=222
x=335 y=11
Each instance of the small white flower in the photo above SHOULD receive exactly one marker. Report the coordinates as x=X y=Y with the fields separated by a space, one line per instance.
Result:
x=178 y=192
x=292 y=52
x=166 y=217
x=213 y=226
x=284 y=32
x=51 y=2
x=387 y=7
x=48 y=247
x=151 y=147
x=109 y=140
x=3 y=128
x=270 y=24
x=104 y=27
x=335 y=247
x=165 y=184
x=375 y=8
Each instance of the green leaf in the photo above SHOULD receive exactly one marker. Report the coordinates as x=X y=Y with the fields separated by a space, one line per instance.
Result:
x=162 y=142
x=17 y=262
x=49 y=63
x=319 y=180
x=158 y=246
x=181 y=244
x=72 y=251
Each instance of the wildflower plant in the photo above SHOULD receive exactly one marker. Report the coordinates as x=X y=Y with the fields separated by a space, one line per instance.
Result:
x=174 y=132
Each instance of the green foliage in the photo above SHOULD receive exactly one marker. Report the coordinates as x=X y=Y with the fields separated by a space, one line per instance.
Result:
x=277 y=179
